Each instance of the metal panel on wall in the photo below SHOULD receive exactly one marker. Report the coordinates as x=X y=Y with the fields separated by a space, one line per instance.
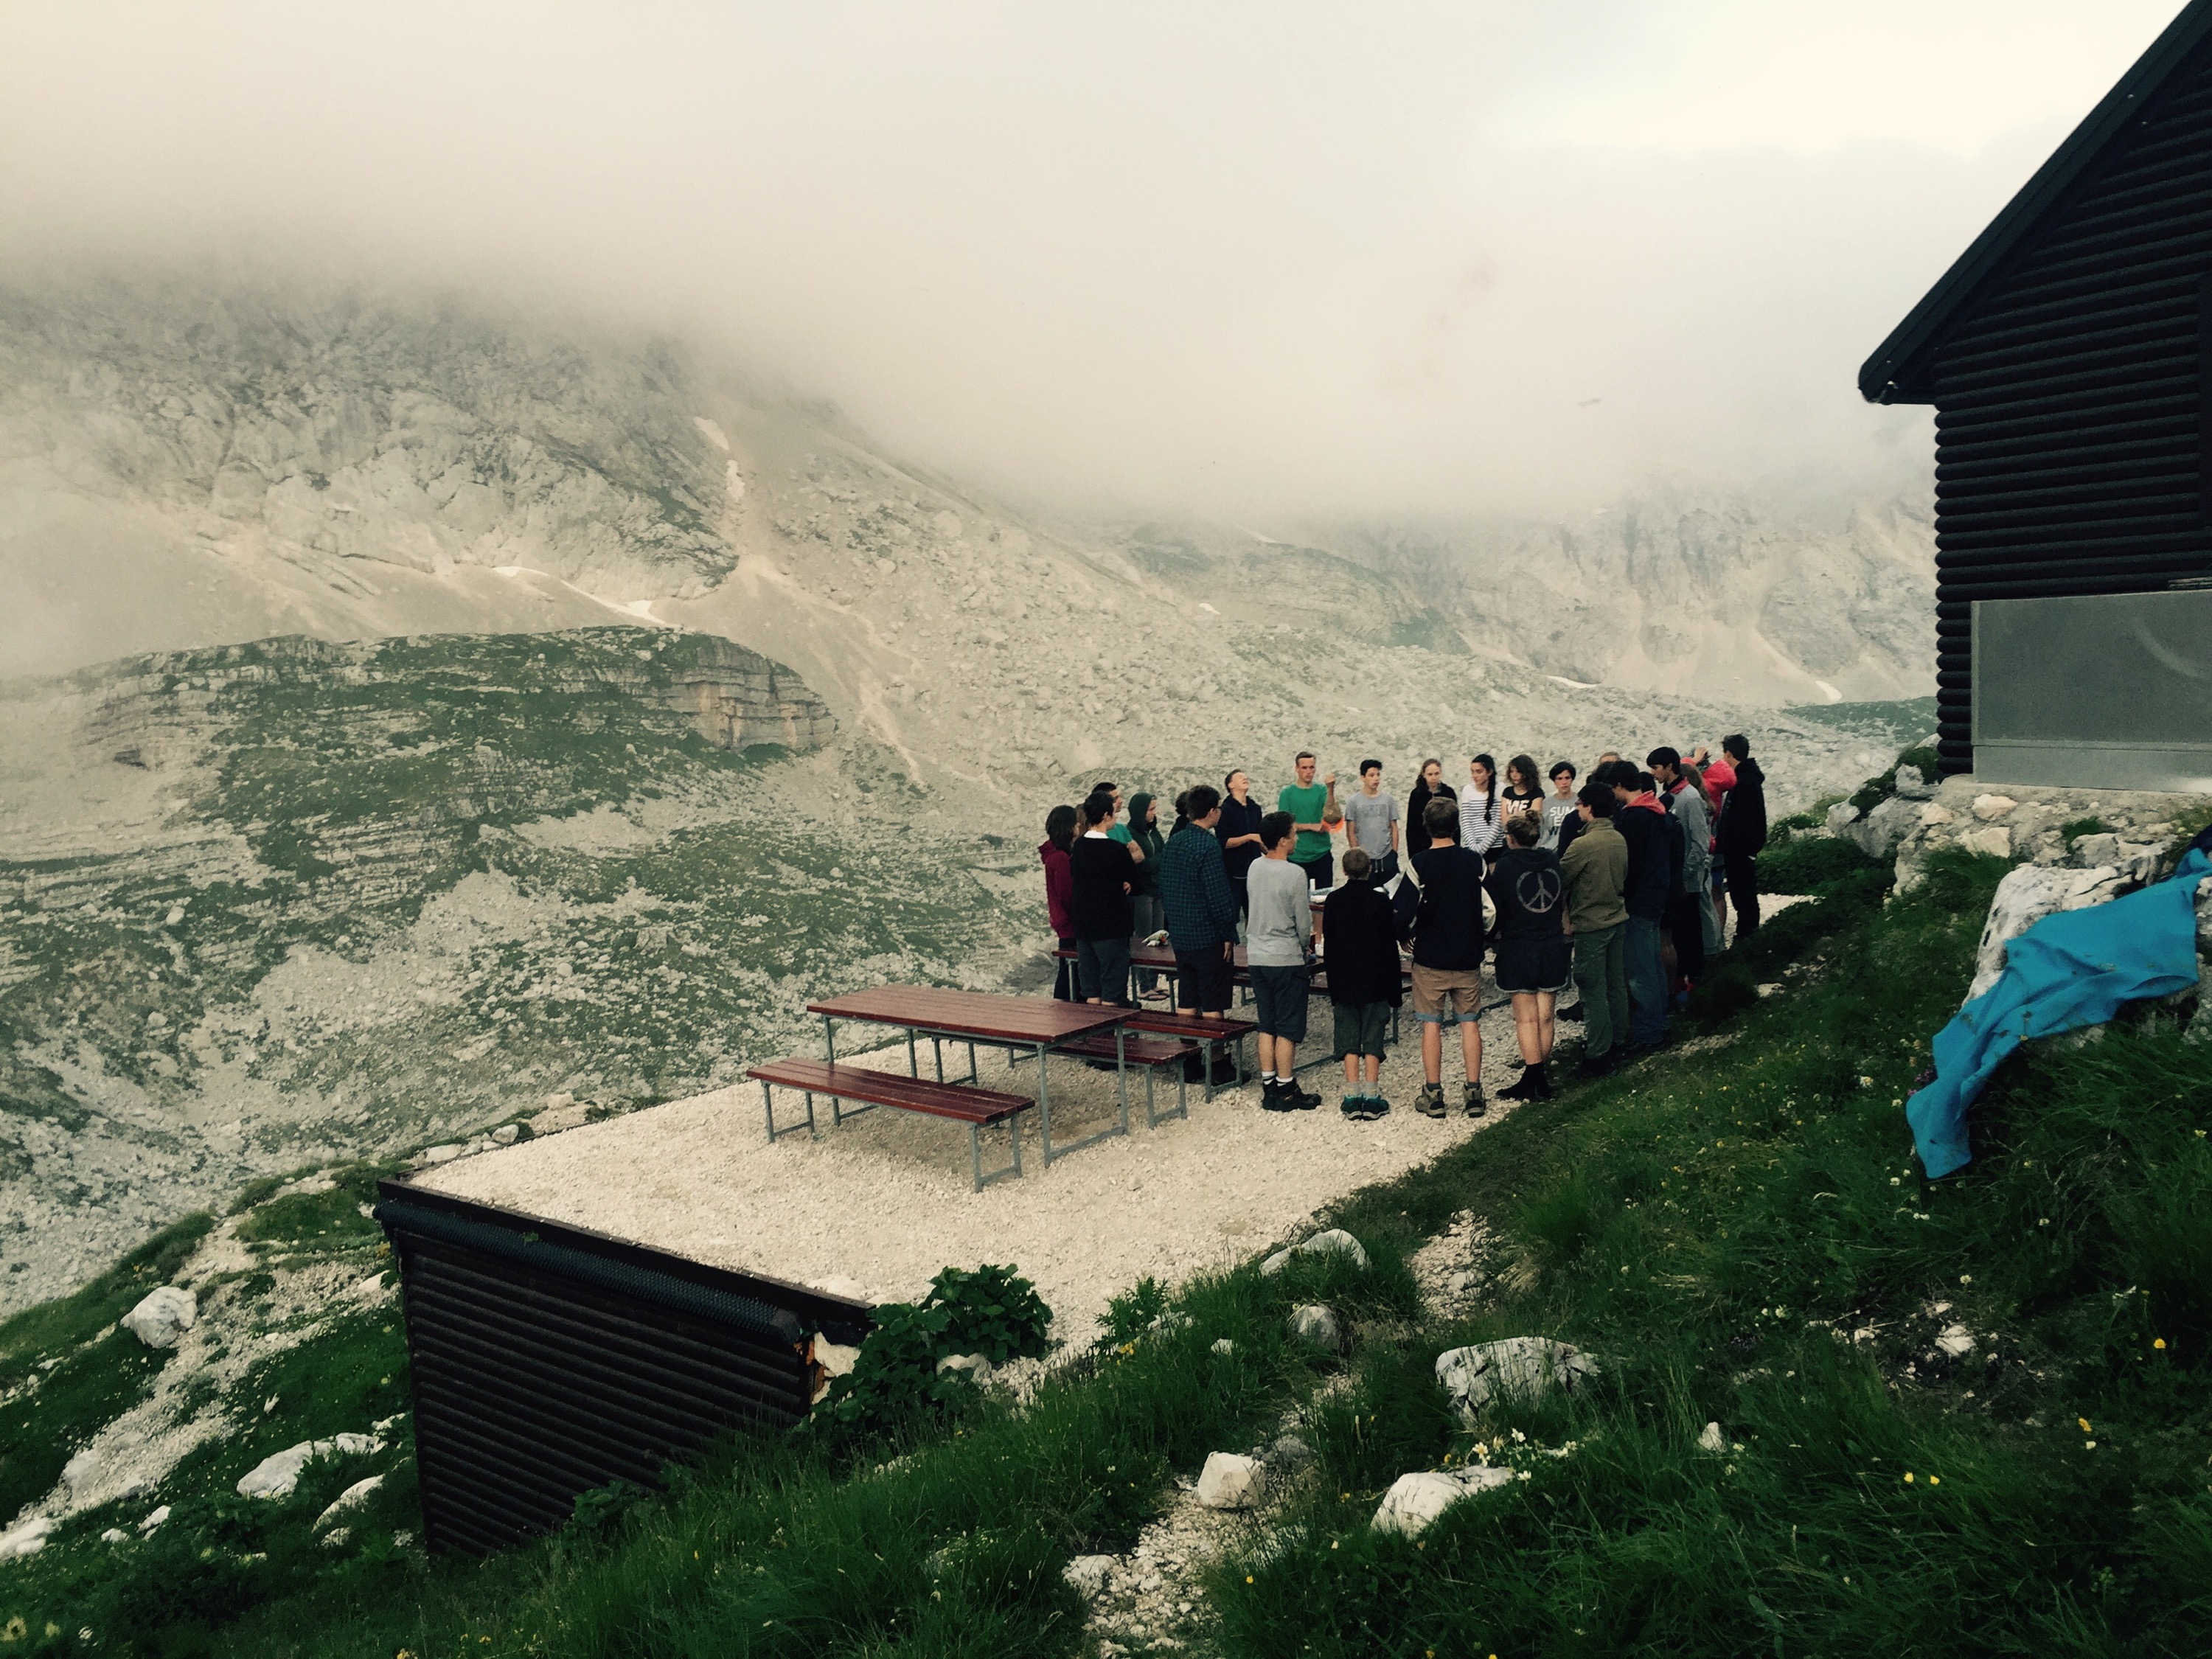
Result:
x=2102 y=691
x=549 y=1360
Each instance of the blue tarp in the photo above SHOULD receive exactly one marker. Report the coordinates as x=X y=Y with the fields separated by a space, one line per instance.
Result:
x=2067 y=970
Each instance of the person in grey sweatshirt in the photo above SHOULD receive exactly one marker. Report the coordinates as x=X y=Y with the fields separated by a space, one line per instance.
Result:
x=1278 y=938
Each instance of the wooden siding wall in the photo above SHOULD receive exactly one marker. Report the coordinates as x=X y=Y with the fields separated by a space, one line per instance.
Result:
x=2070 y=445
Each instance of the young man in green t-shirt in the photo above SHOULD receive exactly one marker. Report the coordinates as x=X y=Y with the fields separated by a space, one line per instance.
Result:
x=1311 y=806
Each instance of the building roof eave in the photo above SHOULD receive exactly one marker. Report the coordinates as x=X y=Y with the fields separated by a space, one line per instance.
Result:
x=1899 y=371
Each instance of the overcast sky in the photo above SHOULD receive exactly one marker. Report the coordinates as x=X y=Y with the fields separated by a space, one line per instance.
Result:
x=1258 y=258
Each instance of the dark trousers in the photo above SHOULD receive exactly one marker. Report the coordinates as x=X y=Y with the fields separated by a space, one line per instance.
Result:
x=1647 y=983
x=1687 y=923
x=1602 y=971
x=1321 y=872
x=1743 y=892
x=1064 y=986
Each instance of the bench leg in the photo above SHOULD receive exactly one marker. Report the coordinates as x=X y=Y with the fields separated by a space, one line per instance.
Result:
x=767 y=1108
x=972 y=1076
x=976 y=1151
x=829 y=1038
x=912 y=1065
x=1044 y=1107
x=937 y=1046
x=1122 y=1071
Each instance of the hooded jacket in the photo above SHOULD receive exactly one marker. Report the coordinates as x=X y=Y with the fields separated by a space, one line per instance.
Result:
x=1743 y=820
x=1361 y=932
x=1688 y=806
x=1596 y=869
x=1059 y=890
x=1149 y=841
x=1654 y=856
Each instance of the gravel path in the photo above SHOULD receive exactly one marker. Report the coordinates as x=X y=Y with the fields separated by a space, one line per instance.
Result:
x=876 y=1205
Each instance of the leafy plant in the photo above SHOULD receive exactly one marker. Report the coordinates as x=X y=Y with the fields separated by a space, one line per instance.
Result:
x=2078 y=828
x=991 y=1310
x=1131 y=1312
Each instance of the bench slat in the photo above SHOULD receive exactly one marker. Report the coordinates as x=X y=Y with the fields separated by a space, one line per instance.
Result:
x=1192 y=1025
x=962 y=1101
x=1137 y=1051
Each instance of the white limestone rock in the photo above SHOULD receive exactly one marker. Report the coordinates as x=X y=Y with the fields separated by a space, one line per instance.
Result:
x=79 y=1472
x=1318 y=1328
x=350 y=1499
x=1415 y=1500
x=1993 y=840
x=1934 y=815
x=1088 y=1574
x=162 y=1317
x=1712 y=1440
x=2023 y=898
x=1334 y=1240
x=154 y=1519
x=1525 y=1365
x=973 y=1366
x=1910 y=784
x=1842 y=815
x=1223 y=1345
x=1990 y=808
x=28 y=1538
x=278 y=1473
x=1878 y=833
x=1230 y=1480
x=1956 y=1340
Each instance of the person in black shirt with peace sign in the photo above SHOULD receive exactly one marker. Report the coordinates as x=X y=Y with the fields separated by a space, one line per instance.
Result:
x=1533 y=960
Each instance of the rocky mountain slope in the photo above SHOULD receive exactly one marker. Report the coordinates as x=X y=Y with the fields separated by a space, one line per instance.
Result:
x=556 y=836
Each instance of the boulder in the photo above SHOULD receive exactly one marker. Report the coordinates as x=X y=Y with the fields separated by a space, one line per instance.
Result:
x=1332 y=1242
x=162 y=1317
x=1318 y=1328
x=1878 y=833
x=28 y=1538
x=351 y=1498
x=1956 y=1340
x=1841 y=817
x=973 y=1366
x=2023 y=898
x=1910 y=784
x=1525 y=1365
x=114 y=1535
x=79 y=1471
x=1712 y=1440
x=1223 y=1345
x=1291 y=1454
x=1088 y=1574
x=2090 y=851
x=1417 y=1499
x=1232 y=1481
x=1990 y=808
x=1935 y=816
x=155 y=1519
x=277 y=1474
x=1994 y=840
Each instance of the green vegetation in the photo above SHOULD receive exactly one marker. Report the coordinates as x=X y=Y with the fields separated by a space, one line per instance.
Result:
x=1902 y=721
x=2075 y=828
x=1973 y=1415
x=992 y=1311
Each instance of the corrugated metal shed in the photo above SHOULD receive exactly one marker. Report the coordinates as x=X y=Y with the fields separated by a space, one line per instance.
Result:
x=549 y=1360
x=2063 y=354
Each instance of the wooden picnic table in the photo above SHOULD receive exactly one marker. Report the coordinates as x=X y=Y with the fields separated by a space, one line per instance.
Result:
x=993 y=1021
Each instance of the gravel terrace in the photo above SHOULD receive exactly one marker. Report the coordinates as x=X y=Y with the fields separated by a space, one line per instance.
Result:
x=876 y=1205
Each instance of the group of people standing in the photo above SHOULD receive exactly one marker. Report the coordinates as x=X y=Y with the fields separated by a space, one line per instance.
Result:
x=1618 y=886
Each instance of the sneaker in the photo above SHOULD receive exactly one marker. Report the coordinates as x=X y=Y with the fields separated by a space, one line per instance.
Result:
x=1355 y=1108
x=1377 y=1107
x=1273 y=1097
x=1470 y=1101
x=1430 y=1103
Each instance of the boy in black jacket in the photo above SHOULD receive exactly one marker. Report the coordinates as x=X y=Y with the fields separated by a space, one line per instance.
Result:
x=1102 y=873
x=1360 y=931
x=1743 y=832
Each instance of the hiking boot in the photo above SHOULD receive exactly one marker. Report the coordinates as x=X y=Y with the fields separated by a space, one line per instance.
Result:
x=1604 y=1065
x=1538 y=1081
x=1522 y=1087
x=1470 y=1101
x=1273 y=1097
x=1431 y=1101
x=1573 y=1013
x=1225 y=1072
x=1302 y=1100
x=1194 y=1069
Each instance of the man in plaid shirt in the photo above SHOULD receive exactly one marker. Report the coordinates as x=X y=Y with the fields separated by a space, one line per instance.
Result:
x=1202 y=915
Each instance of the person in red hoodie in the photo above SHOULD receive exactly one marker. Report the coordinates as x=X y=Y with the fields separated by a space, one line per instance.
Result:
x=1059 y=891
x=1719 y=778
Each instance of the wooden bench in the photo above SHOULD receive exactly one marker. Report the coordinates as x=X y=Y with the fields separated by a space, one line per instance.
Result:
x=979 y=1109
x=1194 y=1027
x=1151 y=1052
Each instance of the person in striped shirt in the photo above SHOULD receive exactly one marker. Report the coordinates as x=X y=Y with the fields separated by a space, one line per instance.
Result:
x=1480 y=822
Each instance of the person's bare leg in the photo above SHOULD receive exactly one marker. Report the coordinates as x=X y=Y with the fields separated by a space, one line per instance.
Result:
x=1374 y=1071
x=1525 y=1028
x=1544 y=1000
x=1433 y=1051
x=1352 y=1074
x=1470 y=1048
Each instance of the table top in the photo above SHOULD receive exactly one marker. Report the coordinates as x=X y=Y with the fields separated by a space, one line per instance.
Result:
x=974 y=1013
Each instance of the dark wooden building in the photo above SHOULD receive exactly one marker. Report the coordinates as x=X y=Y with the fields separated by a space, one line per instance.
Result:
x=2068 y=354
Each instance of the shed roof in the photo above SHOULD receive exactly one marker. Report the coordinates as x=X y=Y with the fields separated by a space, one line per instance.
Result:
x=1900 y=370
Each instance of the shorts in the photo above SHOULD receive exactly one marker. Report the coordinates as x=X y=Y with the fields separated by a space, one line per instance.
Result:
x=1203 y=980
x=1445 y=996
x=1102 y=967
x=1362 y=1028
x=1279 y=997
x=1533 y=964
x=1321 y=872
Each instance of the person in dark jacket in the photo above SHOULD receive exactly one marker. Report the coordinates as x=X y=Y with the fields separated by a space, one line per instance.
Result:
x=1239 y=833
x=1102 y=874
x=1059 y=890
x=1531 y=957
x=1448 y=932
x=1145 y=845
x=1654 y=873
x=1361 y=932
x=1430 y=786
x=1201 y=918
x=1743 y=832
